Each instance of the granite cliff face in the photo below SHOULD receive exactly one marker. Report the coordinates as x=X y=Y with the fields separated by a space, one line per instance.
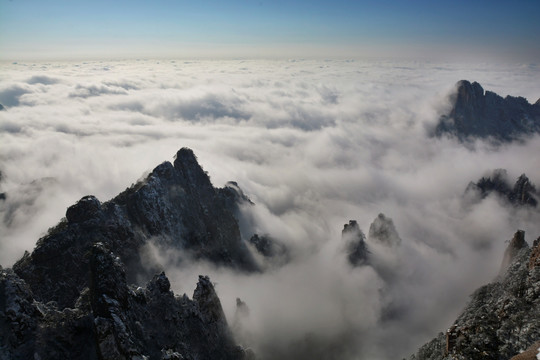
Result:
x=478 y=114
x=502 y=318
x=72 y=292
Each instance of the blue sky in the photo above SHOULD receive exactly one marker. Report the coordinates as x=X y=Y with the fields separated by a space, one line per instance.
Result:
x=63 y=29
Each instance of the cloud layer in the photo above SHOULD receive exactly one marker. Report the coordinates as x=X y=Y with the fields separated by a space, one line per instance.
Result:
x=313 y=144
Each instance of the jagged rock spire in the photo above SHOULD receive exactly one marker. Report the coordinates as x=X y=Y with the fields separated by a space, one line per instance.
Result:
x=355 y=243
x=383 y=231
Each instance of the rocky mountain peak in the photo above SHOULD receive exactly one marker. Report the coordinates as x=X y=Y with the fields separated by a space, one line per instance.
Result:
x=476 y=113
x=383 y=231
x=191 y=172
x=208 y=302
x=355 y=243
x=523 y=193
x=74 y=288
x=174 y=205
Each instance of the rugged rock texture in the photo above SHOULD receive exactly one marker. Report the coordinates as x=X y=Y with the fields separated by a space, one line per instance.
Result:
x=355 y=243
x=70 y=298
x=479 y=114
x=502 y=318
x=175 y=206
x=523 y=193
x=383 y=231
x=112 y=320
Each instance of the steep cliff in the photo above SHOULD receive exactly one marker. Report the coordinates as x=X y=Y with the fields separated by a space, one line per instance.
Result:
x=502 y=318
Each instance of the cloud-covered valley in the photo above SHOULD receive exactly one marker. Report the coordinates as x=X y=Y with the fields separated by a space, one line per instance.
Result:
x=314 y=144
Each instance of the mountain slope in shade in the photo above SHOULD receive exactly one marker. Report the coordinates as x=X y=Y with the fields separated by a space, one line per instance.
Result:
x=502 y=318
x=112 y=320
x=476 y=113
x=175 y=207
x=71 y=299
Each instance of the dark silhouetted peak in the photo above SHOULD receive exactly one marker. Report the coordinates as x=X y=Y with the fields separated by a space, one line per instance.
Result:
x=176 y=206
x=194 y=176
x=159 y=283
x=2 y=107
x=475 y=113
x=516 y=244
x=523 y=193
x=208 y=302
x=85 y=209
x=73 y=291
x=383 y=231
x=502 y=318
x=241 y=308
x=355 y=243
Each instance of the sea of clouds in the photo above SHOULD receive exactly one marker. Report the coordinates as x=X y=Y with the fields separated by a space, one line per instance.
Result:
x=314 y=144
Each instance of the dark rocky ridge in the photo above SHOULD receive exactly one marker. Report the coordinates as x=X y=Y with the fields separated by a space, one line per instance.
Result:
x=112 y=320
x=502 y=318
x=175 y=207
x=479 y=114
x=522 y=193
x=70 y=297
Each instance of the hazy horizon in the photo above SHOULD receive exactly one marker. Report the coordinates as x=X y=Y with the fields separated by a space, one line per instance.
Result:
x=55 y=30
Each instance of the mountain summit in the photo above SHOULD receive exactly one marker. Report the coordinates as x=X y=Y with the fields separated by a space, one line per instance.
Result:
x=476 y=113
x=71 y=299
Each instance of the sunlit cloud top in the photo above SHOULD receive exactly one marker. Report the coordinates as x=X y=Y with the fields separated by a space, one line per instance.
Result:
x=31 y=29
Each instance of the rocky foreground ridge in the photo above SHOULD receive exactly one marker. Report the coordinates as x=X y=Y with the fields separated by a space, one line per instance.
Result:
x=476 y=113
x=71 y=299
x=502 y=319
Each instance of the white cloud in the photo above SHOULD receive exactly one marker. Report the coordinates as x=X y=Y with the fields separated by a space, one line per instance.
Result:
x=314 y=144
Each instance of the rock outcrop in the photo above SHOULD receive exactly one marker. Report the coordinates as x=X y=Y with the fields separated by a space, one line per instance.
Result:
x=522 y=193
x=502 y=318
x=71 y=299
x=175 y=206
x=478 y=114
x=383 y=231
x=112 y=320
x=355 y=243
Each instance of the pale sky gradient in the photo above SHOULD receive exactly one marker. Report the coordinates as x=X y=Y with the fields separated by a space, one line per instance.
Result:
x=35 y=29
